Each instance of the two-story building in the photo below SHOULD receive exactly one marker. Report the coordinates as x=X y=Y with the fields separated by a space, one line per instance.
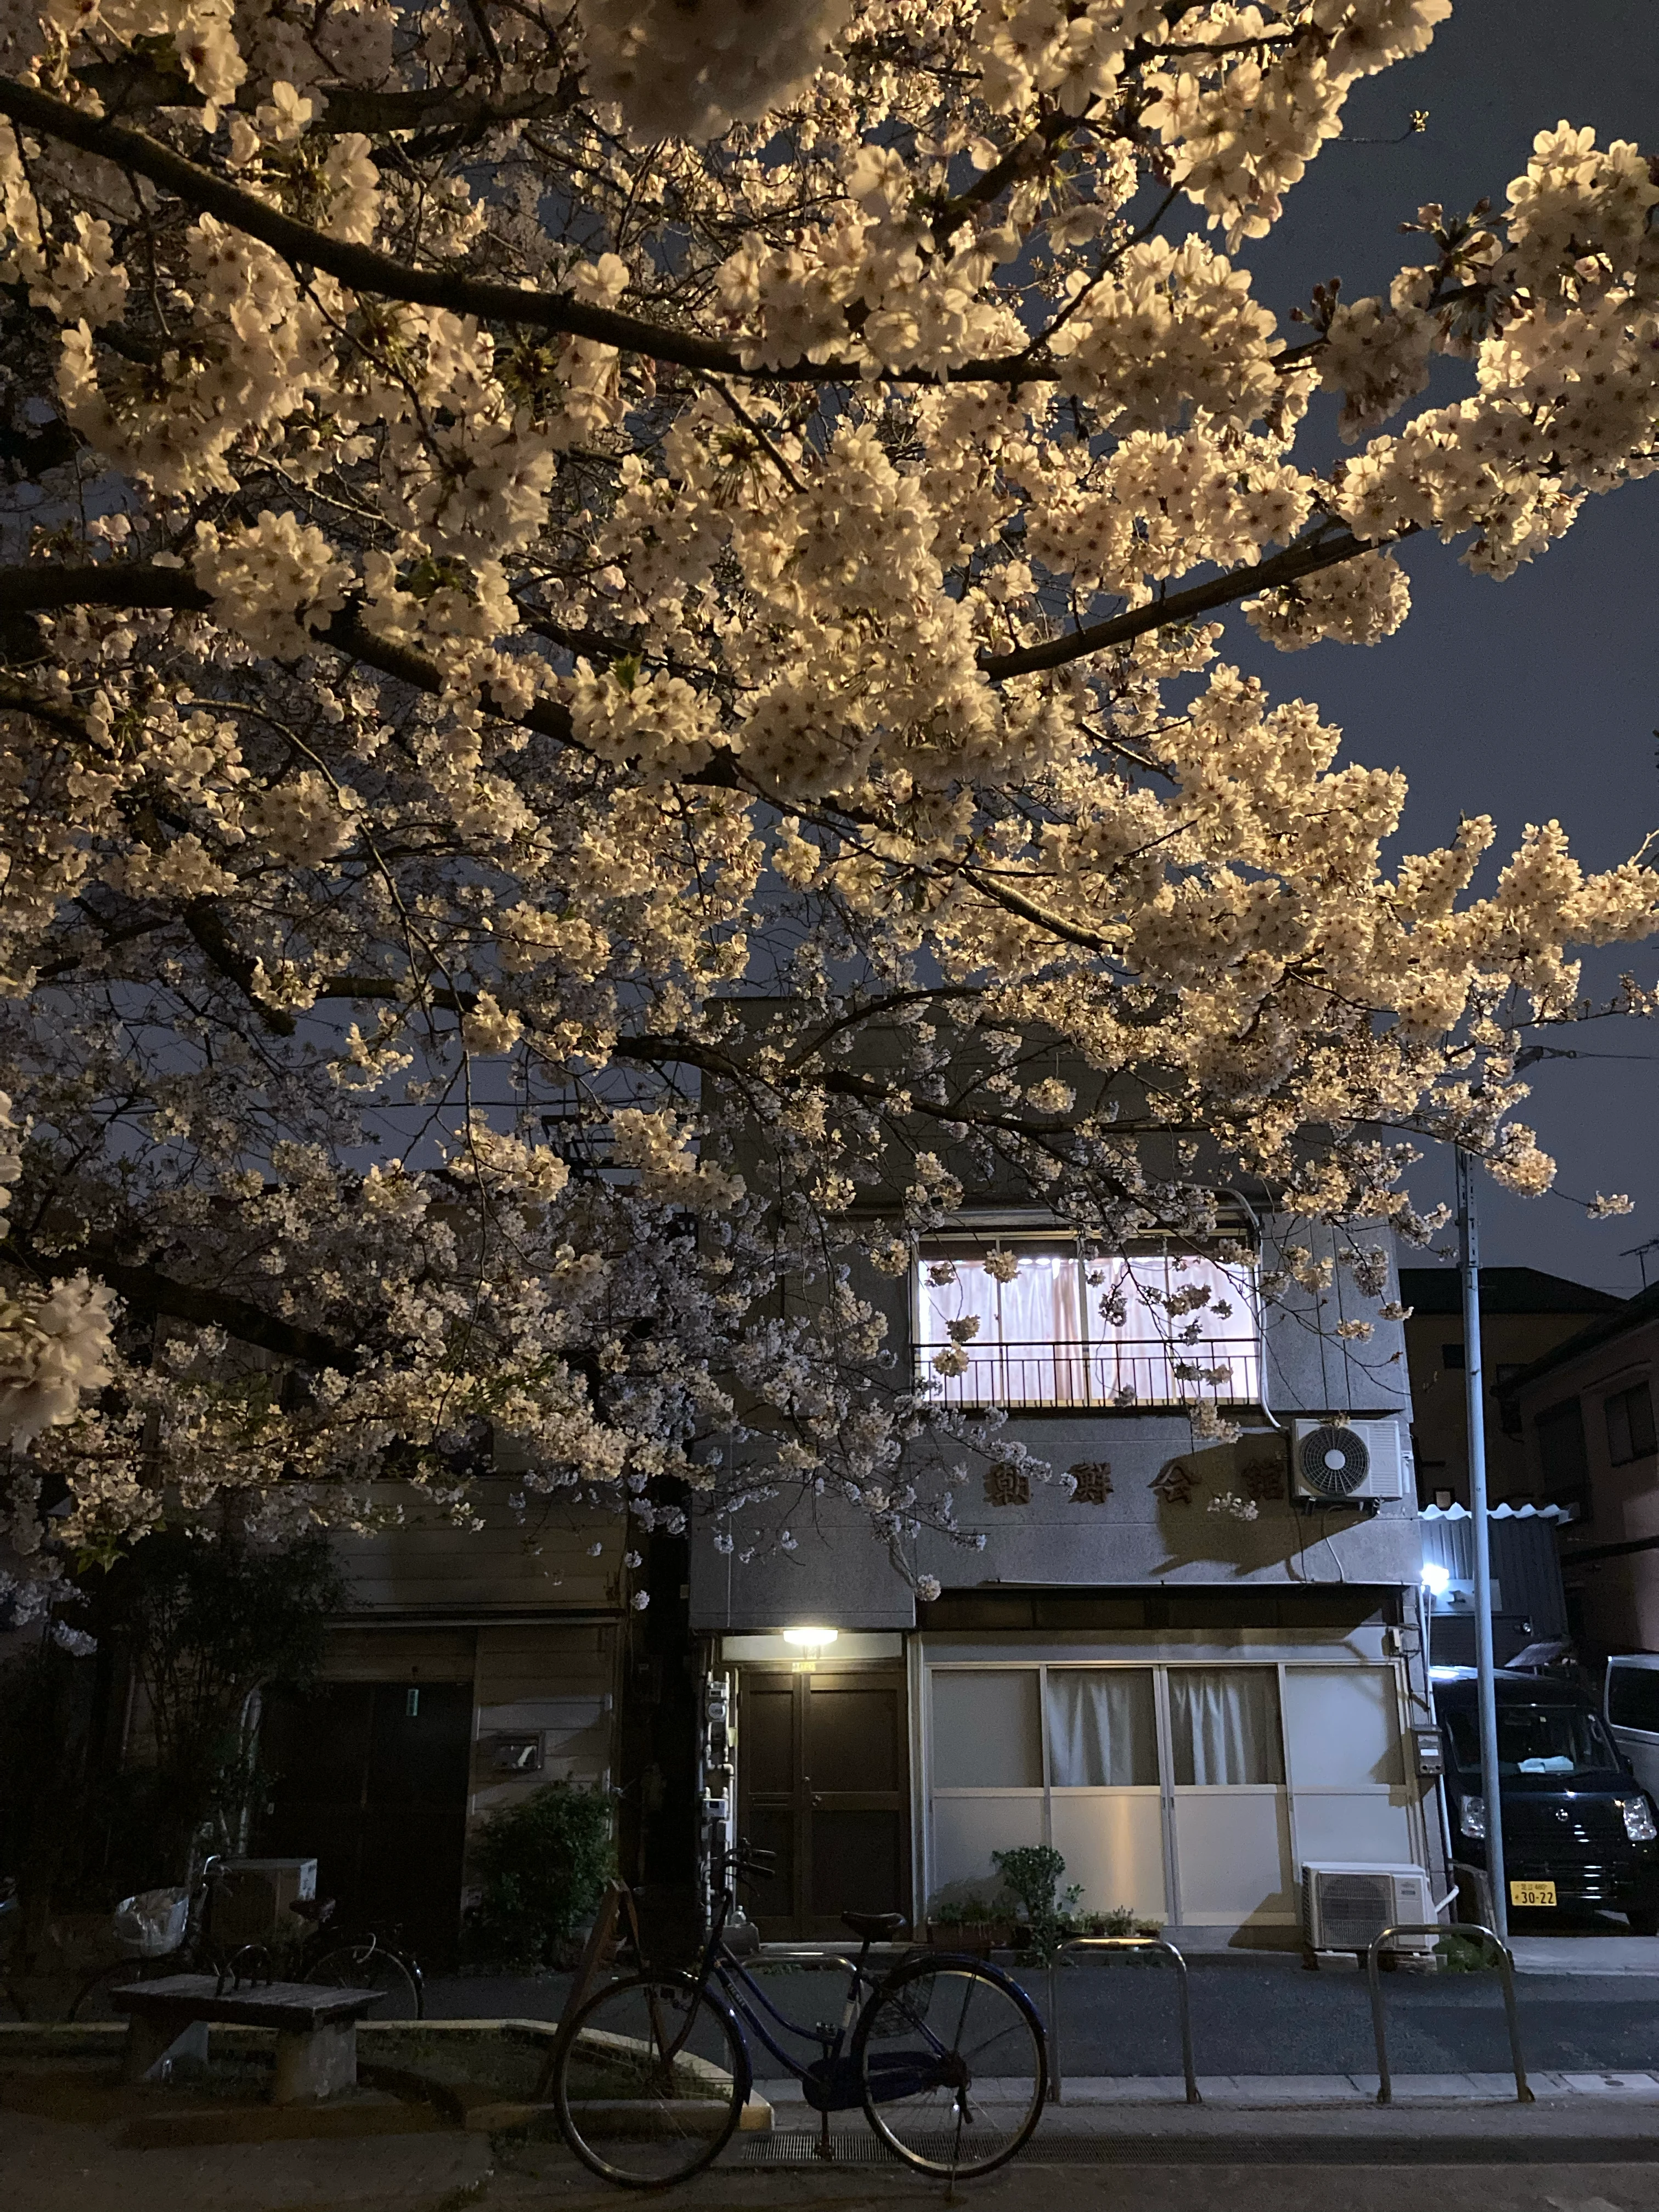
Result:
x=1524 y=1314
x=475 y=1664
x=1586 y=1411
x=1191 y=1667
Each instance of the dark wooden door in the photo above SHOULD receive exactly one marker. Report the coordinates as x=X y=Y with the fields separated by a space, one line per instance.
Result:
x=823 y=1781
x=370 y=1778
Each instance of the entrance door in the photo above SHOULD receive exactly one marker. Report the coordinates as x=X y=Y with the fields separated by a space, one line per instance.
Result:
x=823 y=1781
x=371 y=1780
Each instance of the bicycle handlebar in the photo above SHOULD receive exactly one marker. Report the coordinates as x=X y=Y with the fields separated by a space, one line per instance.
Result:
x=746 y=1862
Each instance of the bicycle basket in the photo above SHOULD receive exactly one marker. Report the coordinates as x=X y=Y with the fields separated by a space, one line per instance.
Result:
x=906 y=2013
x=152 y=1924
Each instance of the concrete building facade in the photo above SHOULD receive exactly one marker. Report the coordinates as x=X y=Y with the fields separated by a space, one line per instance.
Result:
x=1524 y=1314
x=1153 y=1653
x=475 y=1664
x=1586 y=1412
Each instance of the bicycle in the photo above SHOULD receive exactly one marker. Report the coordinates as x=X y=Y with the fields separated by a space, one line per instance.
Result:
x=324 y=1955
x=946 y=2054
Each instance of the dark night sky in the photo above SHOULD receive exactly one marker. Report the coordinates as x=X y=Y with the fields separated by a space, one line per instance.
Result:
x=1536 y=698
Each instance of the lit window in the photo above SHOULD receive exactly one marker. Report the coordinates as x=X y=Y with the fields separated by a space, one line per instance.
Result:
x=1038 y=1325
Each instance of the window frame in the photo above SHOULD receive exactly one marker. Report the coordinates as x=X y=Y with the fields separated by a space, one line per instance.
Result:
x=1567 y=1486
x=1621 y=1425
x=1238 y=1255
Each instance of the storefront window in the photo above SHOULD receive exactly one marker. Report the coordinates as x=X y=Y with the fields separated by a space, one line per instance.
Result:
x=1224 y=1722
x=1102 y=1728
x=986 y=1730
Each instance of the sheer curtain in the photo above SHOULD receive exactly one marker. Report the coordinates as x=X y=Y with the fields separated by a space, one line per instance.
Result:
x=1024 y=1350
x=1102 y=1732
x=1224 y=1723
x=1041 y=1327
x=1139 y=1353
x=1029 y=1348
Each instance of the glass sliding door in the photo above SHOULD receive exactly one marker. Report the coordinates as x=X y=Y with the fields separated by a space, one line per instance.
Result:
x=1349 y=1795
x=1105 y=1801
x=1231 y=1813
x=985 y=1758
x=1167 y=1788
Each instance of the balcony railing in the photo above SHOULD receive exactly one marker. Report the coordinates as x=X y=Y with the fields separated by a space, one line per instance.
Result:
x=1109 y=1377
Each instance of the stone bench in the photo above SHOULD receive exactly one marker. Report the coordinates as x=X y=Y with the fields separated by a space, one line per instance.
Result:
x=169 y=2019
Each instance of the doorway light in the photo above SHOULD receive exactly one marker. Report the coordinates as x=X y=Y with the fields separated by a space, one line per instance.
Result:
x=810 y=1639
x=1437 y=1579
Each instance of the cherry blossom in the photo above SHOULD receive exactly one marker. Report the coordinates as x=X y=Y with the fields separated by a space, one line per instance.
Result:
x=617 y=689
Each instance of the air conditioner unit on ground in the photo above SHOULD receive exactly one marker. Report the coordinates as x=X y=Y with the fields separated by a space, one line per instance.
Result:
x=1347 y=1463
x=1346 y=1906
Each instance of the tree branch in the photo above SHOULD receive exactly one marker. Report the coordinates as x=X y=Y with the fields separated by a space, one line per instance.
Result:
x=42 y=587
x=362 y=268
x=1287 y=568
x=38 y=588
x=131 y=87
x=151 y=1291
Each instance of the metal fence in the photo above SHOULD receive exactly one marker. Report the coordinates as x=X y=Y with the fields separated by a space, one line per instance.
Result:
x=1227 y=1371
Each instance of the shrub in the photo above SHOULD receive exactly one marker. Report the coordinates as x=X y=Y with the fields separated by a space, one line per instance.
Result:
x=542 y=1867
x=1032 y=1872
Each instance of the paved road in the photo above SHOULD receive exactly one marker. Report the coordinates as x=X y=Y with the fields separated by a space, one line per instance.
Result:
x=1254 y=2014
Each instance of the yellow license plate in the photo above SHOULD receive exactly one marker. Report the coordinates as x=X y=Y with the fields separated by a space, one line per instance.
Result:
x=1532 y=1893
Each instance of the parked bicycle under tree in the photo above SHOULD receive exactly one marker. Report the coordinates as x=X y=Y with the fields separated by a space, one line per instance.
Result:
x=946 y=2055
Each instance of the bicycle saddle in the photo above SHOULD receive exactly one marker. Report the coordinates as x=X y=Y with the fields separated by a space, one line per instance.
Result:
x=874 y=1927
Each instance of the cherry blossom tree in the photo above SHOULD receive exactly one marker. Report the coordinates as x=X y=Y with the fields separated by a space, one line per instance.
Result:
x=668 y=567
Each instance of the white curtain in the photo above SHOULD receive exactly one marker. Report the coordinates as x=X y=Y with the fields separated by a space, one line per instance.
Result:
x=1024 y=1349
x=1042 y=1328
x=970 y=1290
x=1102 y=1731
x=1141 y=1353
x=1224 y=1723
x=1028 y=1347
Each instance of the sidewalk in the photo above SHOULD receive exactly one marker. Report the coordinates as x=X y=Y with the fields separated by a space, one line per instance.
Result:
x=1585 y=1954
x=1088 y=2094
x=1459 y=2120
x=1257 y=2144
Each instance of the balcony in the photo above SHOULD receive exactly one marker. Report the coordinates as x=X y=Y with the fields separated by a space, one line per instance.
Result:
x=1104 y=1378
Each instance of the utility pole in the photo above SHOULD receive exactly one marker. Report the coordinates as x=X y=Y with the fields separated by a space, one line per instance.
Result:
x=1486 y=1688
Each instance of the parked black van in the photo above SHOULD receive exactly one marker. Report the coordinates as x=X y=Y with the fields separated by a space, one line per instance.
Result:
x=1580 y=1833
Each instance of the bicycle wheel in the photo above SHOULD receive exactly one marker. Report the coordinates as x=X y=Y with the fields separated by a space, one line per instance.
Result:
x=651 y=2081
x=953 y=2065
x=369 y=1965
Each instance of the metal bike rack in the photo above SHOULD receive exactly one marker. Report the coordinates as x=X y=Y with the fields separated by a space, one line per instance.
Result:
x=1506 y=1970
x=1126 y=1943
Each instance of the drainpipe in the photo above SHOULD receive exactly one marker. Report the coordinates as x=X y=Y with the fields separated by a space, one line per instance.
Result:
x=1486 y=1688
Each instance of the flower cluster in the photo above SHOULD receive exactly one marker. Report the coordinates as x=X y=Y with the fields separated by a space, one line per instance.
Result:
x=619 y=706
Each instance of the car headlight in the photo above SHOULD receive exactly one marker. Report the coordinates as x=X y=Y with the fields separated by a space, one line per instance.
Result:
x=1472 y=1820
x=1639 y=1823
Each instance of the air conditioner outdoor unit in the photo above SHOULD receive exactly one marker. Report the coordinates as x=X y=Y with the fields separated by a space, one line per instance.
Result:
x=1347 y=1463
x=1344 y=1907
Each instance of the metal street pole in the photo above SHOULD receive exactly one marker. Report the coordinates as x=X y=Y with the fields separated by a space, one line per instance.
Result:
x=1487 y=1690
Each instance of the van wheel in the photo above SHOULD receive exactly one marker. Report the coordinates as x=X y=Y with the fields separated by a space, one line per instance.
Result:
x=1645 y=1923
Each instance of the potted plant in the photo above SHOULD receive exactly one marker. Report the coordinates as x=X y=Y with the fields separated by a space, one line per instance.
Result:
x=968 y=1925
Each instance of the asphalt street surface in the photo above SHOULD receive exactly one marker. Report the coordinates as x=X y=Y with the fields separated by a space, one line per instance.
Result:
x=1261 y=2015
